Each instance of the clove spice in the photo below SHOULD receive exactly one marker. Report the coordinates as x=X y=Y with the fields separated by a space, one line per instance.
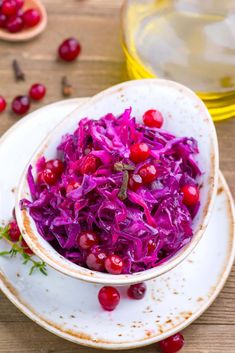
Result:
x=19 y=74
x=122 y=195
x=67 y=88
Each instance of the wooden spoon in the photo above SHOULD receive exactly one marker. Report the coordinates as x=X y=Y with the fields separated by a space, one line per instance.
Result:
x=27 y=33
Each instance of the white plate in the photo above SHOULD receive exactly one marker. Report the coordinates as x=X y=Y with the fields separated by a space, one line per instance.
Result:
x=69 y=308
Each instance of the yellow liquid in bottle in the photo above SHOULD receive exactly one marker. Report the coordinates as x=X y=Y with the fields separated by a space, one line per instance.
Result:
x=185 y=41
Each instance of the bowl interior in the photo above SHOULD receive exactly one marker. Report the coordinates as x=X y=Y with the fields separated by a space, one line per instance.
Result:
x=184 y=115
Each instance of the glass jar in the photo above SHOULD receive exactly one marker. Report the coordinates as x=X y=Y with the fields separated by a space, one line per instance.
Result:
x=189 y=41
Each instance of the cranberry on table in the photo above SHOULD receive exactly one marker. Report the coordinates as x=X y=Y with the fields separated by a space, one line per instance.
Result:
x=20 y=105
x=153 y=118
x=109 y=298
x=73 y=185
x=114 y=264
x=95 y=261
x=139 y=152
x=31 y=17
x=37 y=91
x=3 y=20
x=172 y=344
x=87 y=239
x=90 y=164
x=9 y=7
x=14 y=231
x=148 y=173
x=3 y=104
x=69 y=49
x=15 y=24
x=137 y=291
x=26 y=248
x=56 y=166
x=191 y=195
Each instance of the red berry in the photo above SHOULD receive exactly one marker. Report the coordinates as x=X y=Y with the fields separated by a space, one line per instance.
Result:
x=14 y=24
x=114 y=264
x=153 y=118
x=48 y=176
x=31 y=17
x=14 y=231
x=151 y=246
x=148 y=173
x=87 y=239
x=172 y=344
x=19 y=4
x=90 y=164
x=139 y=152
x=3 y=104
x=37 y=91
x=135 y=182
x=191 y=195
x=109 y=298
x=56 y=166
x=9 y=7
x=69 y=49
x=26 y=248
x=95 y=261
x=20 y=105
x=3 y=20
x=137 y=291
x=72 y=186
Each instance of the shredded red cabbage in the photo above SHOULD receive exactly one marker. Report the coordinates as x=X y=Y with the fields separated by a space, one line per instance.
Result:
x=154 y=214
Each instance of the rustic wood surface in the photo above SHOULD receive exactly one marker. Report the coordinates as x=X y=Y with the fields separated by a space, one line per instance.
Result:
x=96 y=24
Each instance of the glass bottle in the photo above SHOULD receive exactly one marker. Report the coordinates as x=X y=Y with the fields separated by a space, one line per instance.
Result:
x=189 y=41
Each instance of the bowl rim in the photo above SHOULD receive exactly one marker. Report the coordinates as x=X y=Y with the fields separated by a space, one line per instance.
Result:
x=65 y=266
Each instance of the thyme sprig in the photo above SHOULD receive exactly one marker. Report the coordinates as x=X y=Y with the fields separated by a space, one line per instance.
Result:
x=16 y=248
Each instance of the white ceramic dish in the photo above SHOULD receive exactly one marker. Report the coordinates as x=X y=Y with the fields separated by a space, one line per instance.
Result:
x=68 y=307
x=184 y=114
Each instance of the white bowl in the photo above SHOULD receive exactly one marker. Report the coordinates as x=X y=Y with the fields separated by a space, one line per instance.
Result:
x=184 y=115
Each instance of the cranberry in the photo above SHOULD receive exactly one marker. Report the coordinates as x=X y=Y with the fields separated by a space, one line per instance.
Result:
x=56 y=166
x=191 y=195
x=139 y=152
x=95 y=261
x=87 y=239
x=26 y=248
x=37 y=91
x=172 y=344
x=19 y=4
x=72 y=186
x=114 y=264
x=3 y=104
x=14 y=232
x=31 y=17
x=14 y=24
x=153 y=118
x=135 y=182
x=3 y=20
x=109 y=298
x=151 y=246
x=148 y=173
x=9 y=7
x=20 y=105
x=69 y=49
x=137 y=291
x=48 y=177
x=90 y=164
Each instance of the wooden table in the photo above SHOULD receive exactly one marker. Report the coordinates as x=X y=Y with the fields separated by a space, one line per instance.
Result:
x=96 y=24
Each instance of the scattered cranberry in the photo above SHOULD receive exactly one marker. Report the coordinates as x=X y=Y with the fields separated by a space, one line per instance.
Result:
x=56 y=166
x=14 y=232
x=72 y=186
x=148 y=173
x=37 y=91
x=3 y=20
x=90 y=164
x=137 y=291
x=114 y=264
x=153 y=118
x=172 y=344
x=87 y=239
x=47 y=176
x=139 y=152
x=19 y=4
x=20 y=105
x=135 y=182
x=26 y=248
x=95 y=261
x=109 y=298
x=69 y=49
x=9 y=7
x=31 y=17
x=191 y=195
x=14 y=24
x=151 y=246
x=3 y=104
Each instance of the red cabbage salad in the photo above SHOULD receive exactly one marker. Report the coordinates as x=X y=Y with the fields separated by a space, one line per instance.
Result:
x=120 y=197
